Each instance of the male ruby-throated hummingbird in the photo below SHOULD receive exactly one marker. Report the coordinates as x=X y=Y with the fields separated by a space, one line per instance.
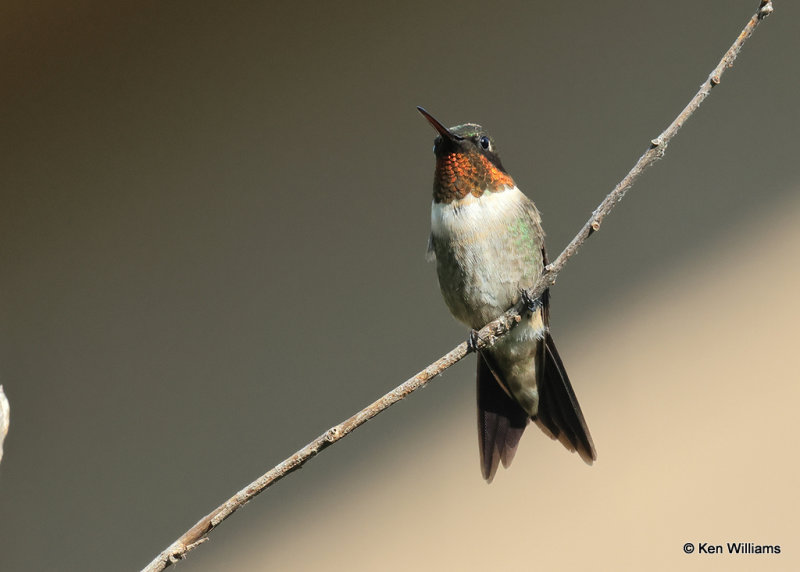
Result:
x=488 y=243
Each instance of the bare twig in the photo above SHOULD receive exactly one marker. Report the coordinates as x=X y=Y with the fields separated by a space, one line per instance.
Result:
x=198 y=533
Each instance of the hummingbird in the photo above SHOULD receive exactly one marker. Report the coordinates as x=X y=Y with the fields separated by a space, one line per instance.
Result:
x=488 y=244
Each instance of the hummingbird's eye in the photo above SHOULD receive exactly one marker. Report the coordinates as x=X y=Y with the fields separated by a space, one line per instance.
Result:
x=484 y=141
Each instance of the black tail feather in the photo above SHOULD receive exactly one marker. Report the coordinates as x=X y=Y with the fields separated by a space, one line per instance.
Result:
x=559 y=413
x=501 y=422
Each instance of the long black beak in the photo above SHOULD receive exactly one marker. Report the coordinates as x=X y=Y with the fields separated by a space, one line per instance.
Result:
x=443 y=131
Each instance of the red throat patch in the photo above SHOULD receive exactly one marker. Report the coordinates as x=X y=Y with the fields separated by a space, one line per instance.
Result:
x=461 y=174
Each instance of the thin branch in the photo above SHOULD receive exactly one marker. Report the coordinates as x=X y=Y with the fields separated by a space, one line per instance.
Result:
x=487 y=335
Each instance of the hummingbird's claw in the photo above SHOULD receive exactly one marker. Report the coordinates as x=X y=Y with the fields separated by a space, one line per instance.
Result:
x=472 y=341
x=531 y=304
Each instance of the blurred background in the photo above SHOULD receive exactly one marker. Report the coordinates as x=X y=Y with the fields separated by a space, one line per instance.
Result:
x=212 y=238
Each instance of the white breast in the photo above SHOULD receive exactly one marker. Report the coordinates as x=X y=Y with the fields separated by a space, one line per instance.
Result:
x=472 y=215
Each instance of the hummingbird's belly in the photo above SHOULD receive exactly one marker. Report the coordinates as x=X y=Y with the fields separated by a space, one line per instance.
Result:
x=477 y=283
x=487 y=249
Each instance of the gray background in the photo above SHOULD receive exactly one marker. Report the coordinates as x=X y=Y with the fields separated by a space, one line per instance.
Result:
x=214 y=220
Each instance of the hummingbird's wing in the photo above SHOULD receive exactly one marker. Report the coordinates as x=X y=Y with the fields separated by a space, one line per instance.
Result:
x=559 y=414
x=501 y=422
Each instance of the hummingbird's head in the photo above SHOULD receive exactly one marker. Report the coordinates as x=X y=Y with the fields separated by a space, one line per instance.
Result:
x=467 y=162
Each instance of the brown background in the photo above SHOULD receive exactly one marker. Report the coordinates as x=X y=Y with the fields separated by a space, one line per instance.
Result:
x=212 y=242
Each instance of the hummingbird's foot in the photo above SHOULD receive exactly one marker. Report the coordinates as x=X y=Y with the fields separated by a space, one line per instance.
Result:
x=531 y=304
x=472 y=341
